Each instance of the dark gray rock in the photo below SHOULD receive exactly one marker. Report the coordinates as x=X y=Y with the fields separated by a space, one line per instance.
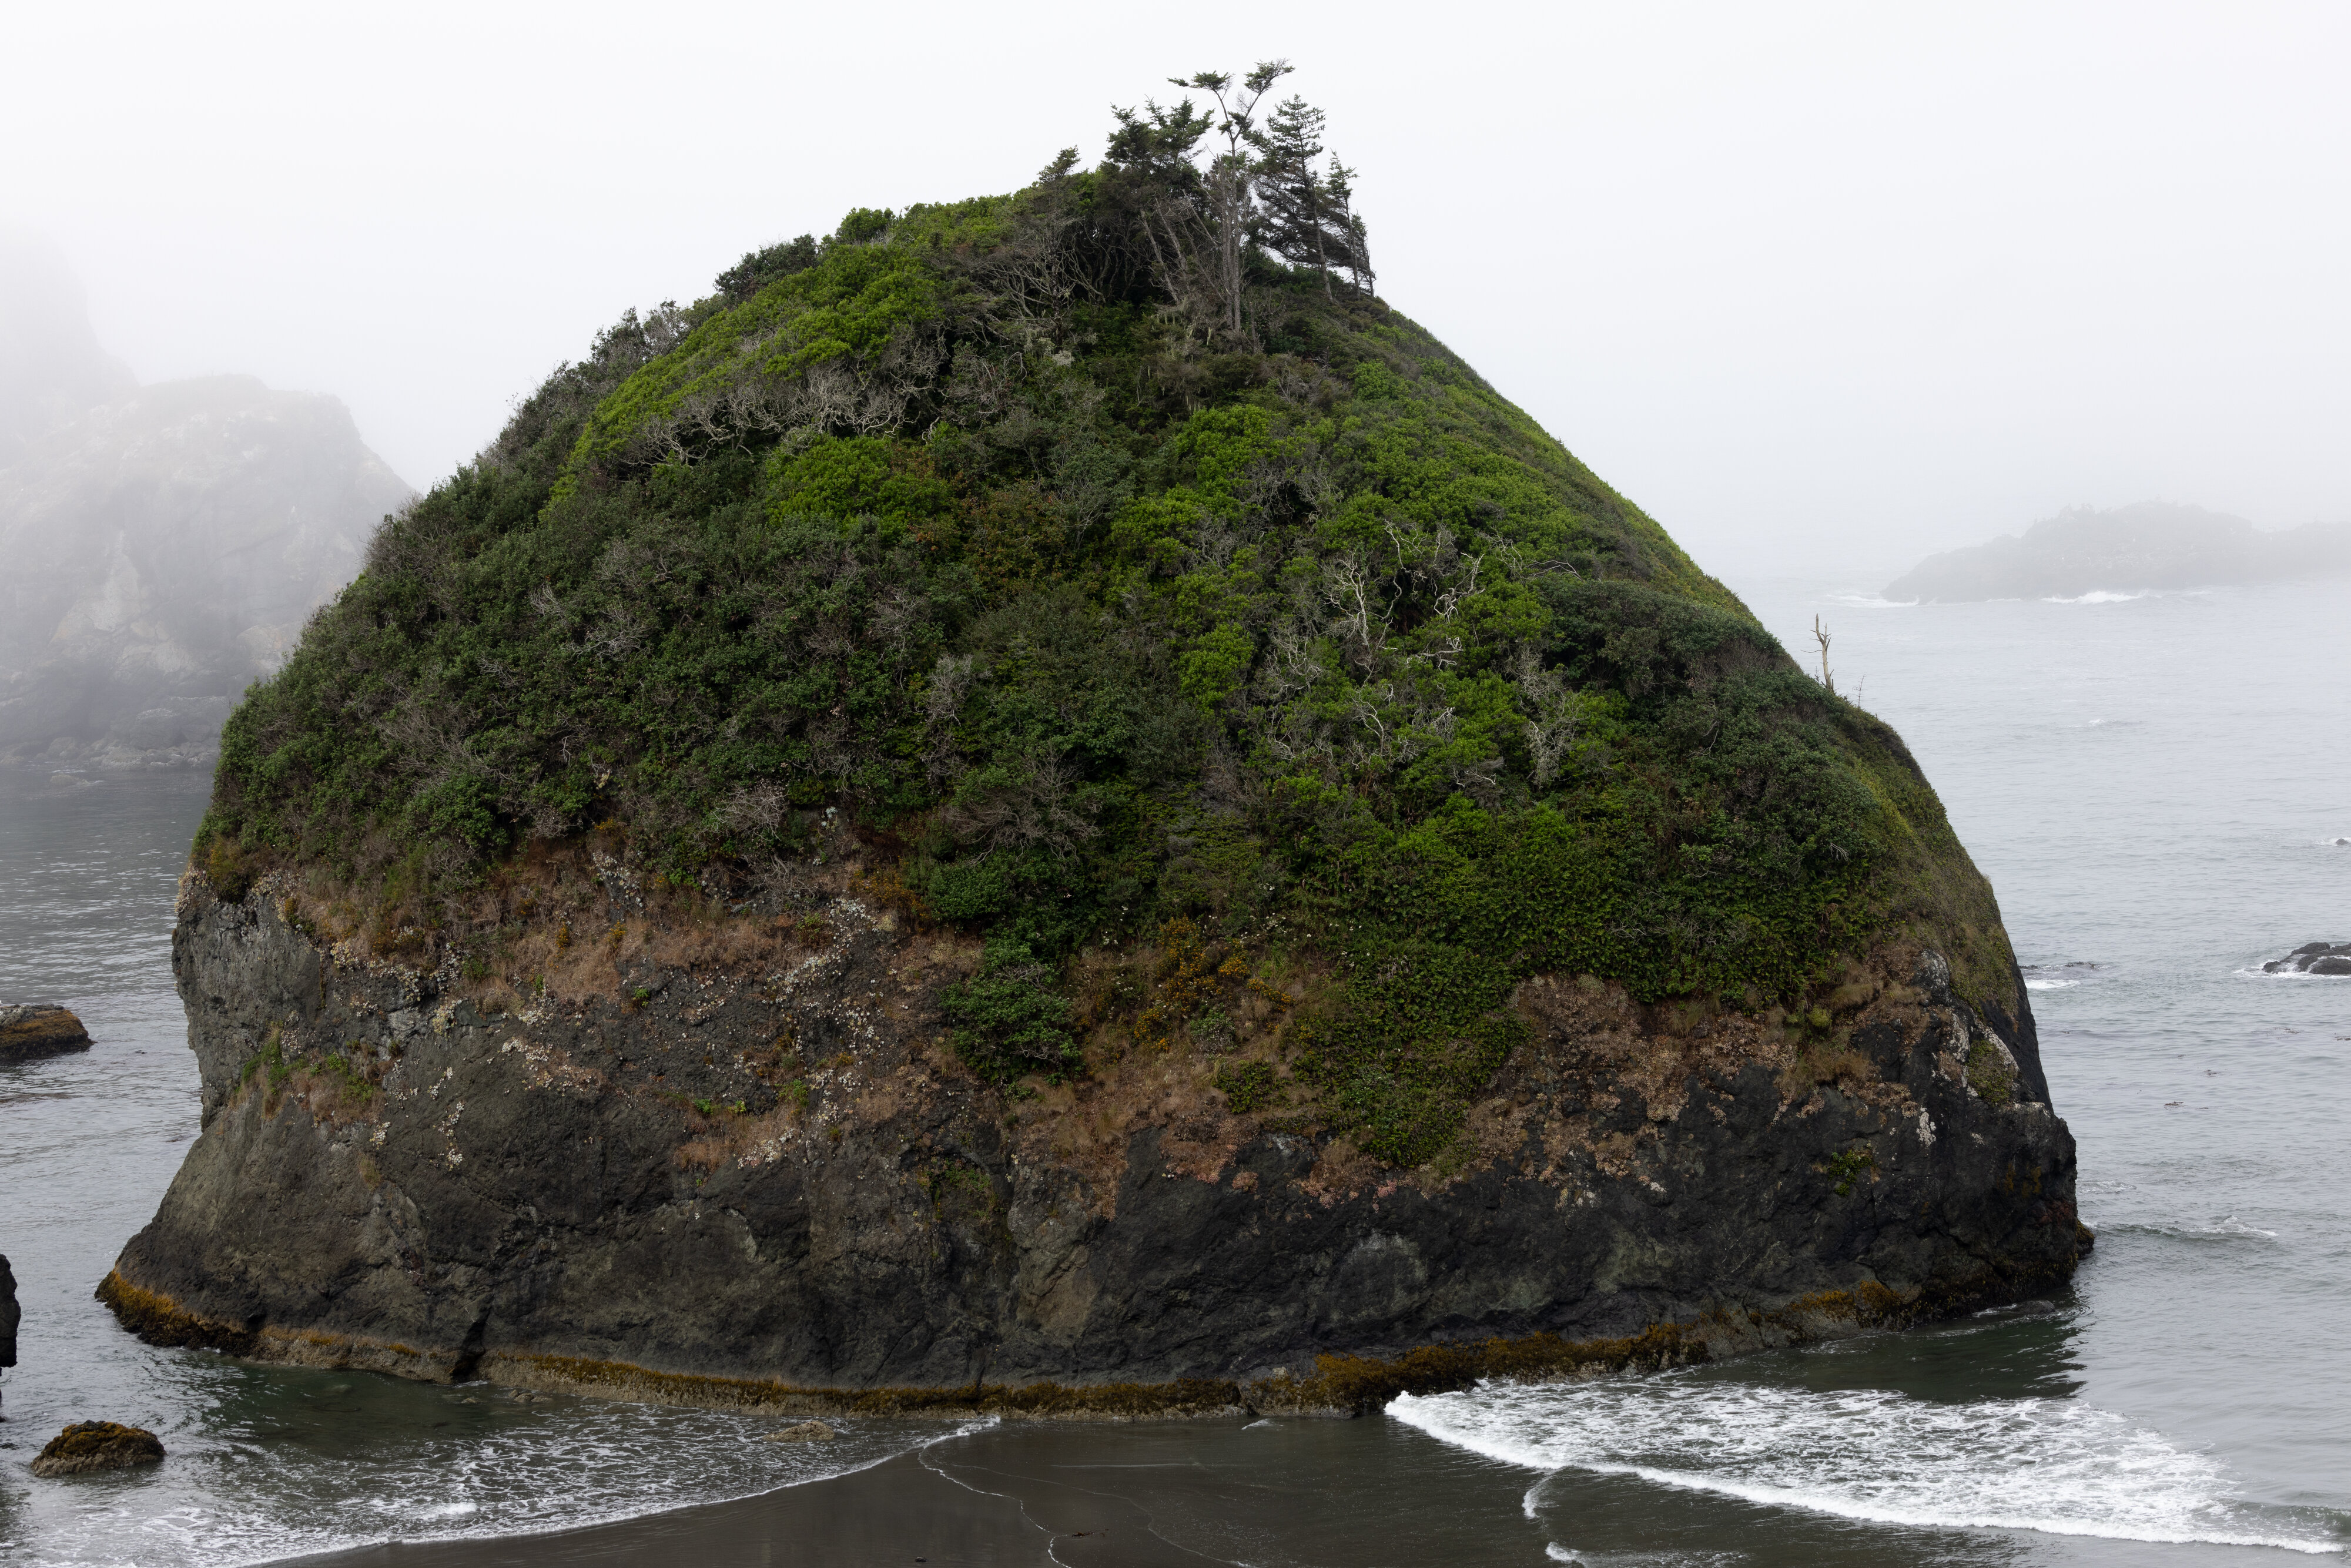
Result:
x=29 y=1030
x=11 y=1314
x=2313 y=959
x=522 y=1196
x=2332 y=964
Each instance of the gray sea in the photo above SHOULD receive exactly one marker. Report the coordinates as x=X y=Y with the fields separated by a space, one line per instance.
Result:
x=2154 y=784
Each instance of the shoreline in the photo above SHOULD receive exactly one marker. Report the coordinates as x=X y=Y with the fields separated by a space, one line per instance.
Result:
x=901 y=1510
x=1338 y=1384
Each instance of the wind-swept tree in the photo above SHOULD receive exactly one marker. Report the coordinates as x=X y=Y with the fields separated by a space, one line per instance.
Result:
x=1158 y=192
x=1295 y=210
x=1305 y=215
x=1339 y=185
x=1159 y=209
x=1232 y=172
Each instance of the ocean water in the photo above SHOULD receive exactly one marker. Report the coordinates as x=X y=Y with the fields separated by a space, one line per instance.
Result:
x=2154 y=784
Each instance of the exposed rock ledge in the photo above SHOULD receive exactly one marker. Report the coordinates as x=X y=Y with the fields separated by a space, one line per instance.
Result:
x=567 y=1197
x=2313 y=959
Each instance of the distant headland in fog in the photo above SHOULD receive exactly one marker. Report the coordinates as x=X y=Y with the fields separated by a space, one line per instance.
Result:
x=2152 y=544
x=160 y=546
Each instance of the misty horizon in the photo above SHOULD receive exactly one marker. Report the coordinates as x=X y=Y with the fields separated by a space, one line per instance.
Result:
x=47 y=331
x=1811 y=289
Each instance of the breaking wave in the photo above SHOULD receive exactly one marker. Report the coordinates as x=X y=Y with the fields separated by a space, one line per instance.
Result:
x=2047 y=1465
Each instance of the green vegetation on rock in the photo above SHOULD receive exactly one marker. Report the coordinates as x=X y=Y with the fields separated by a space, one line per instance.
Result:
x=982 y=523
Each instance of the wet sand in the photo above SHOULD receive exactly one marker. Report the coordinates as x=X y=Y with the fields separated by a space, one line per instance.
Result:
x=1277 y=1494
x=1085 y=1496
x=940 y=1507
x=899 y=1511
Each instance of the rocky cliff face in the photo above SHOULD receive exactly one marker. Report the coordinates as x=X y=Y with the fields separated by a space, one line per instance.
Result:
x=726 y=1159
x=162 y=552
x=160 y=546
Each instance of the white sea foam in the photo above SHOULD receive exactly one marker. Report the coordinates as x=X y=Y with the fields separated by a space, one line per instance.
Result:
x=2096 y=596
x=616 y=1461
x=2058 y=976
x=2050 y=1464
x=2230 y=1229
x=1558 y=1553
x=2254 y=971
x=1874 y=601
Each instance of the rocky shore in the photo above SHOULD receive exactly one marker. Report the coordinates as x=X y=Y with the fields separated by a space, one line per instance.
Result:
x=2313 y=959
x=747 y=1173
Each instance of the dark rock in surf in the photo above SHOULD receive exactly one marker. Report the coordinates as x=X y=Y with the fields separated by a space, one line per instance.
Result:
x=28 y=1029
x=2313 y=959
x=2333 y=963
x=97 y=1446
x=11 y=1314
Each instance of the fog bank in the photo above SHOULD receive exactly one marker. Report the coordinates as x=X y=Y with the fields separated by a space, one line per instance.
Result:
x=159 y=547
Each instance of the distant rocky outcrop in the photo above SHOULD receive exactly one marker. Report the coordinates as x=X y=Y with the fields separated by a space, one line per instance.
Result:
x=159 y=547
x=2313 y=959
x=33 y=1029
x=97 y=1446
x=51 y=368
x=2130 y=550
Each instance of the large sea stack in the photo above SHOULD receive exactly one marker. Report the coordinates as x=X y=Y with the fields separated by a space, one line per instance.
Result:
x=1011 y=811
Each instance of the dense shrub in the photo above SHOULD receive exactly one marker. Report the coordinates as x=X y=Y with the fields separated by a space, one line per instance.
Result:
x=1009 y=1020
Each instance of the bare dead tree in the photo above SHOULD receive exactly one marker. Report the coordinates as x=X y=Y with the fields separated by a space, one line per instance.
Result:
x=1030 y=805
x=1821 y=635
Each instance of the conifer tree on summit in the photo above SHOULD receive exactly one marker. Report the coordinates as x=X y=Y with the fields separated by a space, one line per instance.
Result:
x=1232 y=174
x=1306 y=217
x=1262 y=190
x=1295 y=209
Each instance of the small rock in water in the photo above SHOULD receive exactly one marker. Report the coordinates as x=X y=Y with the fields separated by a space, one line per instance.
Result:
x=97 y=1446
x=2313 y=959
x=806 y=1432
x=38 y=1028
x=10 y=1314
x=2333 y=963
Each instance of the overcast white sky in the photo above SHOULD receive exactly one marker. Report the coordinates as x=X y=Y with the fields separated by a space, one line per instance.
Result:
x=1823 y=287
